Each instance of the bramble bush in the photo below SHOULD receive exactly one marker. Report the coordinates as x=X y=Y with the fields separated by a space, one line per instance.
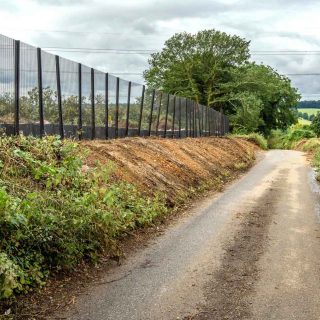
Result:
x=53 y=214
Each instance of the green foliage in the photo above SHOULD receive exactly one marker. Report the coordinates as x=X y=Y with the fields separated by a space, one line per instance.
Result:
x=272 y=91
x=313 y=147
x=315 y=125
x=193 y=66
x=9 y=273
x=247 y=115
x=53 y=213
x=213 y=68
x=256 y=138
x=289 y=138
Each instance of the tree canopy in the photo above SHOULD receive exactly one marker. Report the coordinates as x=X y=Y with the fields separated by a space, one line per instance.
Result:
x=213 y=68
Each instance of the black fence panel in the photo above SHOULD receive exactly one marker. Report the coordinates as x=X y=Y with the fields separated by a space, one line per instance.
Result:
x=43 y=94
x=7 y=85
x=69 y=97
x=29 y=116
x=135 y=106
x=100 y=104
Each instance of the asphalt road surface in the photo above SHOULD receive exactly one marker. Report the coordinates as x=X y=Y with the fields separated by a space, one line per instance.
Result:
x=251 y=252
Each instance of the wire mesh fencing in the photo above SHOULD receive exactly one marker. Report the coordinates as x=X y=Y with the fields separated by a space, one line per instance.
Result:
x=44 y=94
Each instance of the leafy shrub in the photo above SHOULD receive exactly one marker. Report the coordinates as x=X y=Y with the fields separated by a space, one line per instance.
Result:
x=9 y=273
x=53 y=214
x=315 y=125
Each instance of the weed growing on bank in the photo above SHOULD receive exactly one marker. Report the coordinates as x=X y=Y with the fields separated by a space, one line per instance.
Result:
x=256 y=138
x=55 y=212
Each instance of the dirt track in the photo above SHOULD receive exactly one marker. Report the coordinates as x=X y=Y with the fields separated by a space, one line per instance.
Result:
x=251 y=252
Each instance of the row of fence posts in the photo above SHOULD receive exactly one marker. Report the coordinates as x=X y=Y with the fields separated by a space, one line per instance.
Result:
x=192 y=129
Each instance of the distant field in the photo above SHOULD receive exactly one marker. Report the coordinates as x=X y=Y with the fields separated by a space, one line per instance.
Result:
x=309 y=111
x=303 y=121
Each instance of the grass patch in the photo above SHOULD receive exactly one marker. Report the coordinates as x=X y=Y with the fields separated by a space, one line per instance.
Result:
x=256 y=138
x=304 y=121
x=309 y=111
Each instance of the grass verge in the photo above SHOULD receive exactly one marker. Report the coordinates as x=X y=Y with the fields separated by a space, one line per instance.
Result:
x=256 y=138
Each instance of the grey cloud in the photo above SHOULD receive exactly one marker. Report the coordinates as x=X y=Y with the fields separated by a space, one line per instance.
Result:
x=65 y=3
x=142 y=25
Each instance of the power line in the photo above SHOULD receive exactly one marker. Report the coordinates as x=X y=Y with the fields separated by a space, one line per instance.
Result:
x=100 y=49
x=149 y=51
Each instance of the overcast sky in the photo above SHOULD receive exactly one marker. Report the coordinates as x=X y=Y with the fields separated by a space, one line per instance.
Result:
x=145 y=24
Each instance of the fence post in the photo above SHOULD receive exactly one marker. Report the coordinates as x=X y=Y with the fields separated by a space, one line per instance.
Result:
x=200 y=112
x=128 y=109
x=166 y=119
x=192 y=117
x=107 y=105
x=206 y=121
x=174 y=116
x=40 y=92
x=16 y=85
x=59 y=97
x=80 y=101
x=204 y=124
x=93 y=114
x=117 y=108
x=209 y=121
x=141 y=110
x=159 y=111
x=180 y=117
x=151 y=112
x=195 y=129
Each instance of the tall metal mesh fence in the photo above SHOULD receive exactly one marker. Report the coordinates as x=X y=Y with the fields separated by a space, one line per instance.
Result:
x=100 y=104
x=69 y=78
x=41 y=93
x=135 y=106
x=7 y=81
x=49 y=91
x=29 y=116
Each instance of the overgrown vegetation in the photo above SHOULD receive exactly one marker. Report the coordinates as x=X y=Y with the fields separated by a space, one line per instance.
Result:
x=55 y=212
x=301 y=137
x=289 y=138
x=313 y=146
x=256 y=138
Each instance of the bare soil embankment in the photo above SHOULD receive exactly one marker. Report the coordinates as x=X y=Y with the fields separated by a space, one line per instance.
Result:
x=174 y=167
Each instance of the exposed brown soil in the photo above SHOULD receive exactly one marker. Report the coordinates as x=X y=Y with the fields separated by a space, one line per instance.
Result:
x=173 y=167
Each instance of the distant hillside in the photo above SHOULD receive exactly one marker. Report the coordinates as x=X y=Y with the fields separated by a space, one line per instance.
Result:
x=312 y=104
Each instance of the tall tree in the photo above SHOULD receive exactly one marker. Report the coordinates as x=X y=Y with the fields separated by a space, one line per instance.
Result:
x=213 y=68
x=278 y=97
x=194 y=66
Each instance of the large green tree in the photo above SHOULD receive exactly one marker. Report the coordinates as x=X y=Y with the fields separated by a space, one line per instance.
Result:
x=277 y=97
x=194 y=66
x=213 y=68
